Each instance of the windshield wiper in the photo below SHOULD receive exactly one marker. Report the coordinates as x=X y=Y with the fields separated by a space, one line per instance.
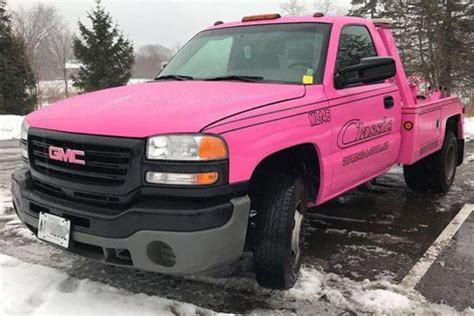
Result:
x=237 y=78
x=174 y=77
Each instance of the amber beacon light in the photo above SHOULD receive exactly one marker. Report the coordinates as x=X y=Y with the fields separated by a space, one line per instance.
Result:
x=261 y=17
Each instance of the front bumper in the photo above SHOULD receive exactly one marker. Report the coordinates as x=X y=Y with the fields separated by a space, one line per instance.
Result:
x=167 y=237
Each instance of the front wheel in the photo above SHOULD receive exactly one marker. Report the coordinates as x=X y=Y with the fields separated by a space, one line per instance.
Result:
x=436 y=172
x=277 y=253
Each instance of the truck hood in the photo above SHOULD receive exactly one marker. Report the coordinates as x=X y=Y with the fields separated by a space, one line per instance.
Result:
x=158 y=107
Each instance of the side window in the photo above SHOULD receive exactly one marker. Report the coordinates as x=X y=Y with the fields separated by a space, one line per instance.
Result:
x=355 y=43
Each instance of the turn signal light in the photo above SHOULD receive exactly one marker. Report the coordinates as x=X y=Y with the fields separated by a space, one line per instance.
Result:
x=168 y=178
x=207 y=178
x=408 y=125
x=261 y=17
x=212 y=148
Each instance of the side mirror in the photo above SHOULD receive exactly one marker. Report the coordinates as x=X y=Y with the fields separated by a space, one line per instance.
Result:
x=371 y=69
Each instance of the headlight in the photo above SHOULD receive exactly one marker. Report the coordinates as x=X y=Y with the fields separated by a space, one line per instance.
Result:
x=24 y=139
x=186 y=148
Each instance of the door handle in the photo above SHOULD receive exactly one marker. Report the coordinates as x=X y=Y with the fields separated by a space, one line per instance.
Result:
x=388 y=102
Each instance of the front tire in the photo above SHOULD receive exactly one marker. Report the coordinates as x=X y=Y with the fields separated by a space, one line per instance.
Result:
x=436 y=172
x=277 y=253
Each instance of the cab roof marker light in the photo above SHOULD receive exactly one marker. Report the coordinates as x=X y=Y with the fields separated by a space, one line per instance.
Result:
x=318 y=15
x=261 y=17
x=218 y=23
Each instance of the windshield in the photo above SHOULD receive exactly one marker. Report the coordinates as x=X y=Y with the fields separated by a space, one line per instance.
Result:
x=285 y=53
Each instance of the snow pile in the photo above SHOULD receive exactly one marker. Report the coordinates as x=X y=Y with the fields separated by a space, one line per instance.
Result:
x=373 y=297
x=5 y=201
x=6 y=205
x=15 y=228
x=73 y=65
x=55 y=84
x=382 y=301
x=10 y=126
x=30 y=289
x=469 y=128
x=308 y=285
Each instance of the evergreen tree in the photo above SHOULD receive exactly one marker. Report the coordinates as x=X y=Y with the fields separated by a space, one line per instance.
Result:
x=17 y=84
x=365 y=8
x=106 y=56
x=442 y=40
x=435 y=38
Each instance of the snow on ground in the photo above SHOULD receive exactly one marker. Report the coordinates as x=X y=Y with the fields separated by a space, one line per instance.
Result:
x=379 y=297
x=30 y=289
x=137 y=81
x=59 y=84
x=309 y=284
x=381 y=301
x=371 y=249
x=55 y=84
x=15 y=228
x=5 y=202
x=10 y=126
x=469 y=128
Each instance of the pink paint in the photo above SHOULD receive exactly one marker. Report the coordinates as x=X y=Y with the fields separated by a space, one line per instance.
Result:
x=158 y=107
x=355 y=136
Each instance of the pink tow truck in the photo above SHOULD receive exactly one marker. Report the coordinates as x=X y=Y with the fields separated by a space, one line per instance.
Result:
x=247 y=127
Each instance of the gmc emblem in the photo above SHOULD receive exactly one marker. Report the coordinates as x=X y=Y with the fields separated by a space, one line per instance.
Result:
x=66 y=155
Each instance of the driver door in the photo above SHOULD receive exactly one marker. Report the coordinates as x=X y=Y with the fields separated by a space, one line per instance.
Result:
x=365 y=117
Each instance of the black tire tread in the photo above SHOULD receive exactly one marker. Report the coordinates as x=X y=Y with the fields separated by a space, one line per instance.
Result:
x=275 y=224
x=427 y=175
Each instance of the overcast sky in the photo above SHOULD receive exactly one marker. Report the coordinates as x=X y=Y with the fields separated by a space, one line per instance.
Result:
x=165 y=22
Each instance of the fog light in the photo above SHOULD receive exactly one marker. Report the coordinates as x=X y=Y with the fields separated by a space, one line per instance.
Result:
x=182 y=178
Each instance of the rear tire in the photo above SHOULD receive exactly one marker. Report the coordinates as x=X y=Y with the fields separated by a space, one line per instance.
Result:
x=279 y=240
x=436 y=172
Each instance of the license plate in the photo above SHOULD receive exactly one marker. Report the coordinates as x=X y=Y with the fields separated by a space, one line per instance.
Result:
x=54 y=229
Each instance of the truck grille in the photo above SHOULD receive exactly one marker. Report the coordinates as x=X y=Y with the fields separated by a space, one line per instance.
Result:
x=107 y=165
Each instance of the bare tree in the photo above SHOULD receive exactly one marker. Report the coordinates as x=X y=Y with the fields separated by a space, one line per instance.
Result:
x=60 y=46
x=300 y=7
x=176 y=48
x=148 y=60
x=323 y=6
x=35 y=26
x=293 y=7
x=328 y=7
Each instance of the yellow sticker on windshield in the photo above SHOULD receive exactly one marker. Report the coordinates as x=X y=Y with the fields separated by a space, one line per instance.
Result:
x=308 y=79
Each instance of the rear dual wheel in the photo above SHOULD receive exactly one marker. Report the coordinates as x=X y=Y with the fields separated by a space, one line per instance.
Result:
x=436 y=172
